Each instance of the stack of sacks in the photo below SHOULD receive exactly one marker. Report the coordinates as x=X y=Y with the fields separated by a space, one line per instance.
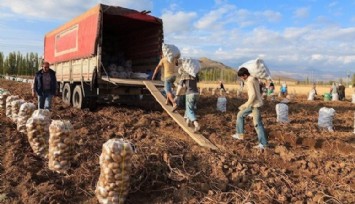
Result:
x=190 y=66
x=139 y=75
x=3 y=95
x=26 y=110
x=325 y=118
x=171 y=52
x=257 y=68
x=37 y=131
x=115 y=168
x=15 y=106
x=9 y=100
x=60 y=141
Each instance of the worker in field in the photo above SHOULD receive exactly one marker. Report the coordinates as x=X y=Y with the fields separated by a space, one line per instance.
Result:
x=341 y=92
x=169 y=78
x=251 y=106
x=44 y=86
x=191 y=97
x=283 y=89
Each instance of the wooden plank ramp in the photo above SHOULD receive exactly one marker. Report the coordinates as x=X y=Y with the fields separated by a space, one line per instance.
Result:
x=201 y=140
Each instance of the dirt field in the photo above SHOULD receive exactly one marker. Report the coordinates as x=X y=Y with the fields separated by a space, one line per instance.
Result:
x=302 y=165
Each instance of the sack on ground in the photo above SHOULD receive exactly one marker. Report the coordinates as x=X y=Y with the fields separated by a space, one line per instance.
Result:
x=325 y=118
x=353 y=98
x=24 y=114
x=115 y=167
x=311 y=95
x=282 y=113
x=171 y=52
x=15 y=106
x=335 y=97
x=3 y=95
x=60 y=143
x=9 y=100
x=222 y=104
x=38 y=131
x=257 y=68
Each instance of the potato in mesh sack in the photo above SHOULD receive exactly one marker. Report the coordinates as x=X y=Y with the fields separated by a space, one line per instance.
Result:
x=38 y=131
x=3 y=95
x=115 y=168
x=171 y=52
x=190 y=66
x=24 y=114
x=9 y=99
x=257 y=68
x=15 y=106
x=60 y=141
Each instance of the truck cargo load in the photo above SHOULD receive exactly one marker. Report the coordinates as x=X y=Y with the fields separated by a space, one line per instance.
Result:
x=108 y=50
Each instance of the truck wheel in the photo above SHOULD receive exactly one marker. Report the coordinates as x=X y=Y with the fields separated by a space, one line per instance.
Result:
x=66 y=94
x=78 y=98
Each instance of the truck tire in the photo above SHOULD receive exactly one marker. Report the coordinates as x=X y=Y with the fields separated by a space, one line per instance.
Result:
x=66 y=94
x=78 y=98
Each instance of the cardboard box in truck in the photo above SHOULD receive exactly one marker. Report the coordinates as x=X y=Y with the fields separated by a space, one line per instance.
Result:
x=108 y=50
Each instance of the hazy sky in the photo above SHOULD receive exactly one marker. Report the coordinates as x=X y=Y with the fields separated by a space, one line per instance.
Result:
x=297 y=38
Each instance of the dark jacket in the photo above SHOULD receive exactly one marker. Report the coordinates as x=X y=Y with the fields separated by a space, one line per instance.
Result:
x=38 y=82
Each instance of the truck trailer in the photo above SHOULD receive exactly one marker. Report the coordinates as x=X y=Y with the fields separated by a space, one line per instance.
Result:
x=107 y=51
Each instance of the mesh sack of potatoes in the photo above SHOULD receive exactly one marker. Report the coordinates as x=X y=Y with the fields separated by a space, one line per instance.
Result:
x=15 y=106
x=257 y=68
x=115 y=168
x=171 y=52
x=38 y=131
x=9 y=99
x=3 y=95
x=24 y=114
x=60 y=140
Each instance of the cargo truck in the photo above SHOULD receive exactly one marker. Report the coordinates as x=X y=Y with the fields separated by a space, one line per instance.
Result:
x=110 y=51
x=107 y=51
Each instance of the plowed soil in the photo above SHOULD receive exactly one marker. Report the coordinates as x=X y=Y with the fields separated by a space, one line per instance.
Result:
x=302 y=165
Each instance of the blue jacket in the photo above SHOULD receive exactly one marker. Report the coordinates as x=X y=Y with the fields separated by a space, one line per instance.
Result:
x=38 y=82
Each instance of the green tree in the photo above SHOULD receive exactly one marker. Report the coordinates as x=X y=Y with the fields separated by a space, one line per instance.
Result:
x=353 y=80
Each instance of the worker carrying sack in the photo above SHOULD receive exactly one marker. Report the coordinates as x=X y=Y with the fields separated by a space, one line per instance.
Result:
x=257 y=68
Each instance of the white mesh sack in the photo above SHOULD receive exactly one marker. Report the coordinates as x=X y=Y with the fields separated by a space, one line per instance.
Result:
x=26 y=111
x=60 y=141
x=335 y=97
x=281 y=113
x=325 y=118
x=9 y=99
x=257 y=68
x=190 y=66
x=311 y=95
x=115 y=168
x=3 y=95
x=171 y=52
x=38 y=131
x=353 y=98
x=222 y=104
x=15 y=106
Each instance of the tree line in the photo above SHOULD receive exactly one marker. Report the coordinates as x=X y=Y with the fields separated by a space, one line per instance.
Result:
x=218 y=74
x=18 y=64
